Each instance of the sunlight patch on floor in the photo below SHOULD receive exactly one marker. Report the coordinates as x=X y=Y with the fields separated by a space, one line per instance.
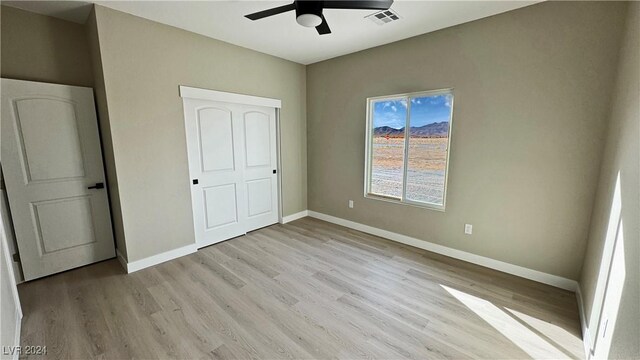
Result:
x=549 y=330
x=512 y=329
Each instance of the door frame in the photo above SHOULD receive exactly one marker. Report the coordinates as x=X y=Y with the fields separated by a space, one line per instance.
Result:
x=188 y=92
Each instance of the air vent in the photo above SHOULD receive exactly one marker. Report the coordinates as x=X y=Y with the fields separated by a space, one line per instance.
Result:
x=383 y=17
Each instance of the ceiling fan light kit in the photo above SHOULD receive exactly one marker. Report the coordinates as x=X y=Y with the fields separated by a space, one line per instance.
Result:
x=309 y=13
x=309 y=20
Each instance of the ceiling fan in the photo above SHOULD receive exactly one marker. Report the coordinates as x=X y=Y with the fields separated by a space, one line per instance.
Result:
x=309 y=13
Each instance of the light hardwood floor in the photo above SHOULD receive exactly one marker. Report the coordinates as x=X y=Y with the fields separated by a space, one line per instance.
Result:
x=307 y=289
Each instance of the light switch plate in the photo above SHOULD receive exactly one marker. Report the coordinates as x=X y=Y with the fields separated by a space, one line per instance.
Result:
x=468 y=229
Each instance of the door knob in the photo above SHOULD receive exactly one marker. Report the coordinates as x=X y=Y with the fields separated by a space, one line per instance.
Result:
x=195 y=181
x=97 y=186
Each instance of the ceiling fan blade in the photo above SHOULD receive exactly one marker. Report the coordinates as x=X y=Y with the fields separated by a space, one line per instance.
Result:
x=270 y=12
x=323 y=28
x=358 y=4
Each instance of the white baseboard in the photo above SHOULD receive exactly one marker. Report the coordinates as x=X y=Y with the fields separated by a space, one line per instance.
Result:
x=520 y=271
x=133 y=266
x=296 y=216
x=16 y=340
x=122 y=259
x=586 y=336
x=17 y=269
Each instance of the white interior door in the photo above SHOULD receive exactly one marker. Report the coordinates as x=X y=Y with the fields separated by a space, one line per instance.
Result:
x=232 y=155
x=260 y=165
x=215 y=166
x=51 y=159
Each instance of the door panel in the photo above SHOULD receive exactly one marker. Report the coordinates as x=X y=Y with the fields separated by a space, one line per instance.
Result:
x=259 y=197
x=220 y=205
x=63 y=223
x=232 y=154
x=257 y=139
x=215 y=134
x=50 y=145
x=50 y=156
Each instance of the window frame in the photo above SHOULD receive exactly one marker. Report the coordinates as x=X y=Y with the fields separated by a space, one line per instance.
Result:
x=369 y=150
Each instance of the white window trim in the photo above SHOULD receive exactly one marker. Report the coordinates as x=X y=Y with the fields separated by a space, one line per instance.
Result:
x=368 y=157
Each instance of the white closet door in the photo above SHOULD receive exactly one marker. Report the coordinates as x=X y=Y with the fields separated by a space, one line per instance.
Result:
x=214 y=141
x=232 y=157
x=53 y=170
x=260 y=164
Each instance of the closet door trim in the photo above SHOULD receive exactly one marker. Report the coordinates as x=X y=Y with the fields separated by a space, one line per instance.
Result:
x=227 y=97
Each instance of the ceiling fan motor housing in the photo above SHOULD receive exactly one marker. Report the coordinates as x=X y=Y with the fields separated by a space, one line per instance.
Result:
x=309 y=7
x=309 y=13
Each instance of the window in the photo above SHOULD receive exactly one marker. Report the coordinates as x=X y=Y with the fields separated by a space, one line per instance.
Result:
x=408 y=147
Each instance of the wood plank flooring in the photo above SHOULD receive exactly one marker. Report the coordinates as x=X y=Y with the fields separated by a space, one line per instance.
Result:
x=304 y=290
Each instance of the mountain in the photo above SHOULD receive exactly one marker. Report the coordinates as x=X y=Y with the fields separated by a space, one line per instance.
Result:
x=440 y=129
x=388 y=131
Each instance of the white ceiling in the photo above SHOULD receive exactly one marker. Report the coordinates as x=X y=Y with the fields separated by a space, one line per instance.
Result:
x=280 y=35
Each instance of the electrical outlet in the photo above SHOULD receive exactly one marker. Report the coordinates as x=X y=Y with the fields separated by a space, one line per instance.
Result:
x=468 y=229
x=350 y=204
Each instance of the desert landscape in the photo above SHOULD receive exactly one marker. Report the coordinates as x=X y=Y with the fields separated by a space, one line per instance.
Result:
x=426 y=167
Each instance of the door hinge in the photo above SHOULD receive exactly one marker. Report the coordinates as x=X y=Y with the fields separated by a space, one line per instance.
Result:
x=16 y=257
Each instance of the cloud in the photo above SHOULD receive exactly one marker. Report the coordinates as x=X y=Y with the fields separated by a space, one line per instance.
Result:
x=448 y=100
x=390 y=113
x=392 y=105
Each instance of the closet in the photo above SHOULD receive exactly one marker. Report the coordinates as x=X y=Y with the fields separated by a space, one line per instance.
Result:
x=233 y=162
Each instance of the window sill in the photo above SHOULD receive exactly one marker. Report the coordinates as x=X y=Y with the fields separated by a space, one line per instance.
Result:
x=417 y=204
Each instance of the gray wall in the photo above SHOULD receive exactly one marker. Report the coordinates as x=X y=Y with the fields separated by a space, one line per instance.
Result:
x=42 y=48
x=143 y=63
x=622 y=155
x=531 y=103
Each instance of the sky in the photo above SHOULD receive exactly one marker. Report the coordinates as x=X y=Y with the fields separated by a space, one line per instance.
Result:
x=424 y=110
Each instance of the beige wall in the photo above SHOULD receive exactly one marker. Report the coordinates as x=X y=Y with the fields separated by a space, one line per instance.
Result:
x=531 y=102
x=47 y=49
x=9 y=307
x=42 y=48
x=143 y=64
x=105 y=132
x=9 y=304
x=622 y=155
